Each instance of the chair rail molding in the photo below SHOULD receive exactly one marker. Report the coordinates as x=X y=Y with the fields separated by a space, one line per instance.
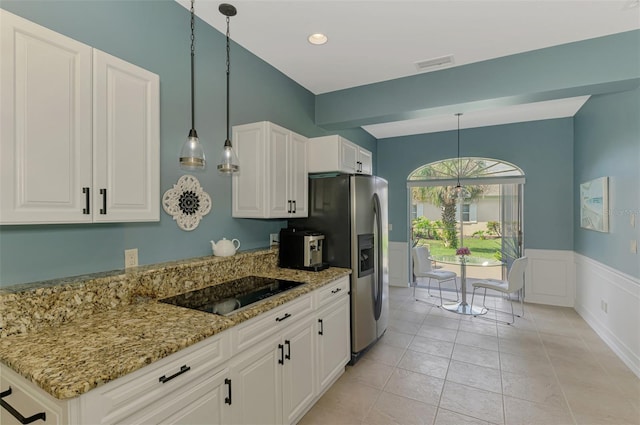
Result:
x=550 y=277
x=609 y=301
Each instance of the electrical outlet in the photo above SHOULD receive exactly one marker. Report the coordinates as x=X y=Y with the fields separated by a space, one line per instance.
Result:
x=634 y=246
x=130 y=258
x=390 y=227
x=603 y=306
x=632 y=220
x=274 y=239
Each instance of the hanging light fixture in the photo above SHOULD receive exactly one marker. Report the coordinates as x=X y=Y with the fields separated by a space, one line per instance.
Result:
x=192 y=154
x=228 y=163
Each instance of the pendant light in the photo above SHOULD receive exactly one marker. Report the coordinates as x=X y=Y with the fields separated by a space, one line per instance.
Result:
x=192 y=154
x=228 y=163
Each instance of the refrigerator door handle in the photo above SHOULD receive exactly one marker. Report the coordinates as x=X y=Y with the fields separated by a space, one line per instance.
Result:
x=377 y=209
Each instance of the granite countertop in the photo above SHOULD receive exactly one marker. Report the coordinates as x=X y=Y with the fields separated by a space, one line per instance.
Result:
x=75 y=357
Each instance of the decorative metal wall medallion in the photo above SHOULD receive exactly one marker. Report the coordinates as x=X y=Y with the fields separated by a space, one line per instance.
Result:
x=187 y=202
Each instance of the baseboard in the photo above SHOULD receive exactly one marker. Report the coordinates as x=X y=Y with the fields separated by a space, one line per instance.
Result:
x=597 y=286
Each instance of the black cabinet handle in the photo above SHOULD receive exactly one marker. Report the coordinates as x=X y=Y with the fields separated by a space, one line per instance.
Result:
x=321 y=331
x=294 y=206
x=164 y=379
x=280 y=319
x=103 y=192
x=16 y=414
x=281 y=348
x=289 y=201
x=87 y=201
x=227 y=400
x=288 y=344
x=335 y=291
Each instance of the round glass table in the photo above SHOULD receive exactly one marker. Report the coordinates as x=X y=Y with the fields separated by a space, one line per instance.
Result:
x=462 y=307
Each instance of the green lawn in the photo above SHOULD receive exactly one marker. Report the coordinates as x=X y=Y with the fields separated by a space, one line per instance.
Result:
x=479 y=248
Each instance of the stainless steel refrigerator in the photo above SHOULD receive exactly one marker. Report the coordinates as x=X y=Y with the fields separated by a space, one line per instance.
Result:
x=351 y=211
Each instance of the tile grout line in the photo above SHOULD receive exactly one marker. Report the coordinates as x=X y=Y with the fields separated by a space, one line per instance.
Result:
x=555 y=373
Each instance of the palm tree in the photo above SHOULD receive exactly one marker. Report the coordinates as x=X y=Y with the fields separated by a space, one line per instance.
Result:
x=445 y=197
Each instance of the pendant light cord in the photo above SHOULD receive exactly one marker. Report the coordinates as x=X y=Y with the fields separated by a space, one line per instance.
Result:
x=459 y=163
x=228 y=74
x=193 y=55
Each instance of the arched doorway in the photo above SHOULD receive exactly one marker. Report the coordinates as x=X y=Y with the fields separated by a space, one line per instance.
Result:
x=487 y=219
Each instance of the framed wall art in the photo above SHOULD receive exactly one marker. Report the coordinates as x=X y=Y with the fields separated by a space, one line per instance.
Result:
x=594 y=205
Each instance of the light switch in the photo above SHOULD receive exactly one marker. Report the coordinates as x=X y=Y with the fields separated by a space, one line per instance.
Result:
x=390 y=227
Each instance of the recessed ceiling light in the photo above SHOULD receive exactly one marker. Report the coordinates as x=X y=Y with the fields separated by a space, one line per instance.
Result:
x=317 y=38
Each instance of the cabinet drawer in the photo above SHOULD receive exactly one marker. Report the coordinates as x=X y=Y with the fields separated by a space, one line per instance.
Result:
x=119 y=399
x=331 y=292
x=270 y=322
x=22 y=396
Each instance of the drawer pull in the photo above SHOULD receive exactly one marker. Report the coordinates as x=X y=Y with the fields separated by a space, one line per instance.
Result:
x=335 y=291
x=280 y=319
x=321 y=331
x=288 y=344
x=227 y=400
x=16 y=414
x=182 y=370
x=281 y=359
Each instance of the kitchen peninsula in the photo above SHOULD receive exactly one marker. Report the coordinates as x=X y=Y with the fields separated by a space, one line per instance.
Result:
x=85 y=341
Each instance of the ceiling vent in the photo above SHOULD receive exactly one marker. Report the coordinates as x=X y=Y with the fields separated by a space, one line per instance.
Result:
x=431 y=64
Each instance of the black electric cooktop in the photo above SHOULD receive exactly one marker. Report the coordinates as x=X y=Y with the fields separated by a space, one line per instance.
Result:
x=231 y=296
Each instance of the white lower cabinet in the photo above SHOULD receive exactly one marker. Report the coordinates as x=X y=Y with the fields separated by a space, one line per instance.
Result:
x=267 y=370
x=205 y=401
x=273 y=381
x=334 y=348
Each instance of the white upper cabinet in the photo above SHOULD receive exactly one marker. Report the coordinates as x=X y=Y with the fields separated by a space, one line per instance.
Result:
x=335 y=153
x=272 y=181
x=80 y=131
x=45 y=137
x=126 y=141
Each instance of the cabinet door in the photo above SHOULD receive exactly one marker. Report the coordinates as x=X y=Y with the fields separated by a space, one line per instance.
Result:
x=249 y=184
x=257 y=384
x=45 y=131
x=279 y=174
x=366 y=161
x=333 y=342
x=298 y=370
x=203 y=402
x=348 y=156
x=126 y=140
x=299 y=185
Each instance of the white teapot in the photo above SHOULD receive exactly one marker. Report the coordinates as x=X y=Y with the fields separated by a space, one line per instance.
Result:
x=224 y=247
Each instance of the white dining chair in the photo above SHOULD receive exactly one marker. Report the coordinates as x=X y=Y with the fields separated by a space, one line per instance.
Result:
x=513 y=284
x=422 y=267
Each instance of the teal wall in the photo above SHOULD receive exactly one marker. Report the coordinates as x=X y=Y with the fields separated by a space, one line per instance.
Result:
x=542 y=149
x=607 y=143
x=155 y=36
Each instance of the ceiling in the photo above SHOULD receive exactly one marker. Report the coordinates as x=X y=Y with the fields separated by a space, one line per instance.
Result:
x=373 y=41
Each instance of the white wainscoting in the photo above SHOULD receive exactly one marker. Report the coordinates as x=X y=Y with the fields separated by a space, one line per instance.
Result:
x=597 y=284
x=398 y=264
x=550 y=277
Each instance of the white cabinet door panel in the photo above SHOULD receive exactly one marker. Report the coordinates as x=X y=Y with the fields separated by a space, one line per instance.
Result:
x=126 y=141
x=45 y=140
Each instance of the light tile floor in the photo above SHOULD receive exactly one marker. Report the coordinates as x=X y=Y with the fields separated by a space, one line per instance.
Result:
x=439 y=368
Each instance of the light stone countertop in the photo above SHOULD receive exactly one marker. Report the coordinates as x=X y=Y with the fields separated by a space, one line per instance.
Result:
x=74 y=357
